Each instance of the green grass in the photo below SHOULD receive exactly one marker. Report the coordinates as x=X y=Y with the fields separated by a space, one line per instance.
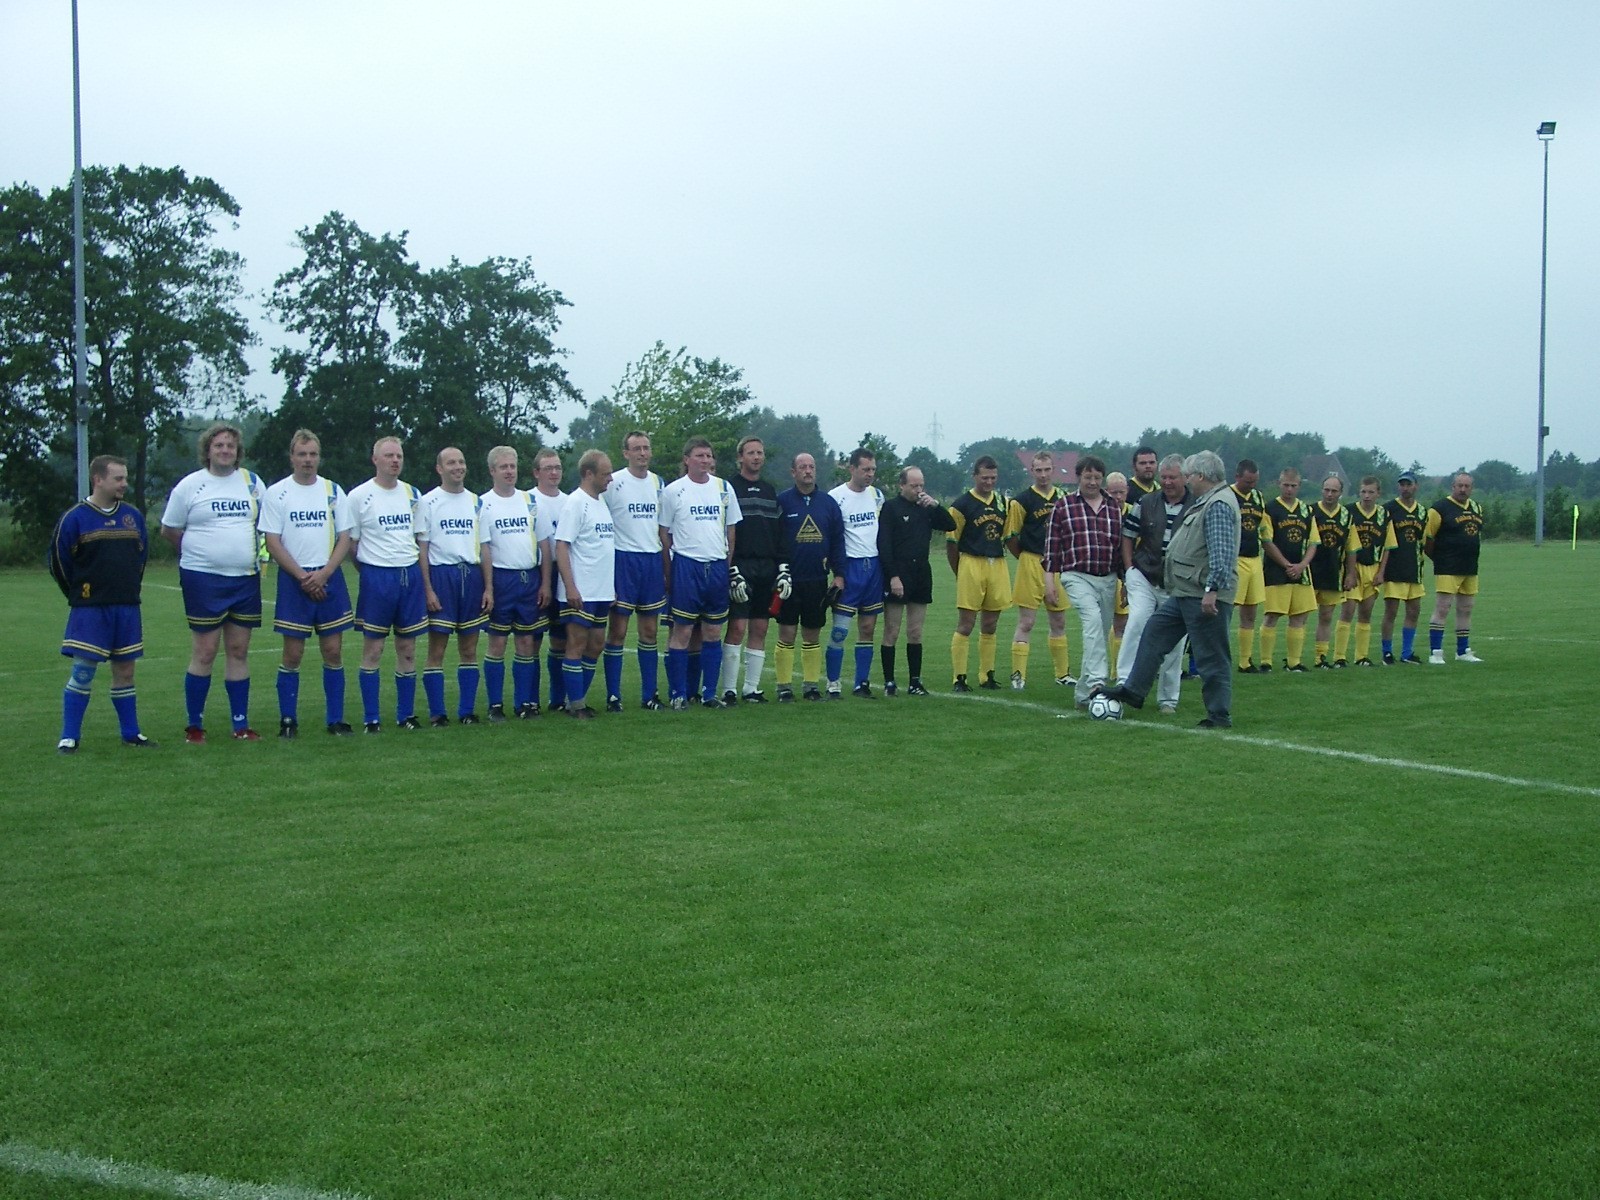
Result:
x=935 y=948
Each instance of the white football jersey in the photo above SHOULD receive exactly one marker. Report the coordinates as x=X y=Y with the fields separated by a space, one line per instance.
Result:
x=217 y=514
x=308 y=517
x=698 y=516
x=384 y=523
x=448 y=523
x=860 y=511
x=508 y=529
x=590 y=536
x=634 y=505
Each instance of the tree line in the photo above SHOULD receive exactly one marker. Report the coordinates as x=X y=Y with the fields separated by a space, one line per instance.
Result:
x=462 y=354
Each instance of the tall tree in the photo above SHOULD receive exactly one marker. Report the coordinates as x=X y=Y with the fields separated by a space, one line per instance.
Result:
x=481 y=341
x=784 y=437
x=163 y=327
x=346 y=300
x=673 y=396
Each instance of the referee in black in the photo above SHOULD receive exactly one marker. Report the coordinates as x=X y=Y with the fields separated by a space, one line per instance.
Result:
x=905 y=531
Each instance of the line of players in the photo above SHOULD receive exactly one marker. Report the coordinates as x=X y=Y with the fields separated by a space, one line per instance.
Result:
x=573 y=569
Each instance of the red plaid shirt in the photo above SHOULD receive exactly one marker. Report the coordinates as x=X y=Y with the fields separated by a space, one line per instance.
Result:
x=1078 y=538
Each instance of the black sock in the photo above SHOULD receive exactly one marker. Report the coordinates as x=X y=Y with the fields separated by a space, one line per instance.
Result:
x=886 y=657
x=914 y=659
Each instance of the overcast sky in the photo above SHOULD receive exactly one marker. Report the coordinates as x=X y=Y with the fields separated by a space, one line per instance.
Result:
x=1063 y=219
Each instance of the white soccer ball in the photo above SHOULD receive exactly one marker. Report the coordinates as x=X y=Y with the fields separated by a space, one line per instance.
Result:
x=1104 y=708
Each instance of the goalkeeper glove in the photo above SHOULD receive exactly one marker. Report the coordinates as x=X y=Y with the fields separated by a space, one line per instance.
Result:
x=738 y=589
x=785 y=585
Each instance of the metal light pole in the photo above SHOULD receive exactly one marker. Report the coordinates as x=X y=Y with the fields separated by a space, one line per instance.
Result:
x=1546 y=131
x=80 y=356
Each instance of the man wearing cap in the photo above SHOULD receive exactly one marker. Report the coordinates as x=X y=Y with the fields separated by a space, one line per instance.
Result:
x=1452 y=538
x=1402 y=571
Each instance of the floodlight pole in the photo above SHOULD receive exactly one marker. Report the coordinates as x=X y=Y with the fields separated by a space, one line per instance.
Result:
x=80 y=351
x=1546 y=132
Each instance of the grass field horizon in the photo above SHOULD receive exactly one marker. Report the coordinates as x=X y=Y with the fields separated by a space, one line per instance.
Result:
x=963 y=946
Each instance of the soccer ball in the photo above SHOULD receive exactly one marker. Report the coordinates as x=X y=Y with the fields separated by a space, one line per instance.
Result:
x=1103 y=708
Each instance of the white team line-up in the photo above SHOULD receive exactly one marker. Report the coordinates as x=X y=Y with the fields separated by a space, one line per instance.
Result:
x=23 y=1159
x=1371 y=760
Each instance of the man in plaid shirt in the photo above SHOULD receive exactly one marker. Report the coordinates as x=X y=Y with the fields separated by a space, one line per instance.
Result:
x=1081 y=544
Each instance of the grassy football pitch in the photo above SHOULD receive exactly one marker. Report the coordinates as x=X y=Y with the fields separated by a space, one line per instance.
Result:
x=946 y=947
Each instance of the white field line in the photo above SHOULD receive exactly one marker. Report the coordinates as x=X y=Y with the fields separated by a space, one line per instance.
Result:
x=105 y=1172
x=1372 y=760
x=1544 y=641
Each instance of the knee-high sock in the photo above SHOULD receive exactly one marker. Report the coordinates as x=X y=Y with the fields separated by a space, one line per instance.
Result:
x=914 y=659
x=368 y=680
x=1320 y=650
x=405 y=695
x=558 y=685
x=466 y=688
x=126 y=705
x=1436 y=635
x=986 y=653
x=613 y=661
x=589 y=666
x=195 y=690
x=1297 y=645
x=811 y=662
x=886 y=661
x=1269 y=643
x=711 y=666
x=1247 y=646
x=494 y=680
x=1463 y=639
x=238 y=702
x=729 y=681
x=863 y=662
x=837 y=637
x=433 y=689
x=754 y=661
x=333 y=694
x=75 y=698
x=1408 y=641
x=576 y=685
x=783 y=664
x=1113 y=650
x=1060 y=655
x=677 y=673
x=288 y=693
x=524 y=680
x=1363 y=639
x=1019 y=658
x=1341 y=640
x=649 y=671
x=960 y=644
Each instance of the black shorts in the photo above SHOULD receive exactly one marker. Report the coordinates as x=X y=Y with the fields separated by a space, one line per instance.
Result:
x=807 y=605
x=761 y=574
x=917 y=581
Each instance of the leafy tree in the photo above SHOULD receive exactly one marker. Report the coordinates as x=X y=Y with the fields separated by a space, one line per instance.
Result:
x=784 y=437
x=1358 y=462
x=674 y=396
x=1499 y=477
x=944 y=479
x=162 y=325
x=1013 y=475
x=884 y=454
x=346 y=300
x=480 y=339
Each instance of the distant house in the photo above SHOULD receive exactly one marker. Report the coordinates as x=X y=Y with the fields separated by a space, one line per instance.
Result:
x=1066 y=465
x=1314 y=468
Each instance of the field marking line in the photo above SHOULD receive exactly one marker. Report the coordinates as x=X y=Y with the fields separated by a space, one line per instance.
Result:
x=1371 y=760
x=1545 y=640
x=106 y=1172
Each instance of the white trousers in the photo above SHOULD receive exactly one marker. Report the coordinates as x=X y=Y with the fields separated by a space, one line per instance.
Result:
x=1143 y=596
x=1094 y=598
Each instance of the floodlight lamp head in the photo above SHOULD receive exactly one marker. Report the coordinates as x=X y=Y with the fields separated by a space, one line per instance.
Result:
x=1547 y=130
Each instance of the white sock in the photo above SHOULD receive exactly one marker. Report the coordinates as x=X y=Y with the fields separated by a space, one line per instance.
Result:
x=754 y=660
x=730 y=669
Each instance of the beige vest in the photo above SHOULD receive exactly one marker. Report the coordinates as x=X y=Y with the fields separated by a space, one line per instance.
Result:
x=1187 y=560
